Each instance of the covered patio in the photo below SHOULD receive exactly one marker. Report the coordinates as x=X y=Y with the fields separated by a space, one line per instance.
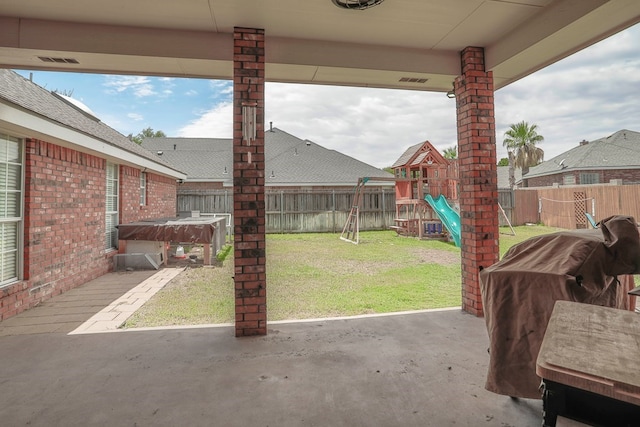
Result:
x=409 y=369
x=415 y=369
x=466 y=50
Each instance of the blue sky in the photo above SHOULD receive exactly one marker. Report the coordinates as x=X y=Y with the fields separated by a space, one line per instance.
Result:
x=589 y=95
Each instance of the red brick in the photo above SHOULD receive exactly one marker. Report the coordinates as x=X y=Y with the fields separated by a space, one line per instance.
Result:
x=64 y=220
x=478 y=189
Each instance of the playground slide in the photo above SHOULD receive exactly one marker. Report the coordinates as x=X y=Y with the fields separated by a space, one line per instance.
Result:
x=449 y=217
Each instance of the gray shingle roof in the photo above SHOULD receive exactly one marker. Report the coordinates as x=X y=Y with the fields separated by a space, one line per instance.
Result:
x=288 y=160
x=503 y=176
x=620 y=150
x=21 y=92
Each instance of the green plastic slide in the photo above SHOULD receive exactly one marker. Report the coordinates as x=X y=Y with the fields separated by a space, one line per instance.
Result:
x=449 y=217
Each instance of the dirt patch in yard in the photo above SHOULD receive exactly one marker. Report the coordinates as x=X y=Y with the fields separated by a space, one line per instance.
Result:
x=433 y=256
x=372 y=268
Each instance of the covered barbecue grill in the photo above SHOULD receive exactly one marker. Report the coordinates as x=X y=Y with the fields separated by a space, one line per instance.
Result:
x=519 y=292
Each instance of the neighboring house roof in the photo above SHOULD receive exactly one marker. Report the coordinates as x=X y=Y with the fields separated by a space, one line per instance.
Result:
x=503 y=176
x=288 y=161
x=620 y=150
x=39 y=102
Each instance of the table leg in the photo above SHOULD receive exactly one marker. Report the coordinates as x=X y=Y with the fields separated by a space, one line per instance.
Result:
x=553 y=403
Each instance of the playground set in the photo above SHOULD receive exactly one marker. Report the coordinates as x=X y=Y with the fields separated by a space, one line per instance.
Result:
x=426 y=187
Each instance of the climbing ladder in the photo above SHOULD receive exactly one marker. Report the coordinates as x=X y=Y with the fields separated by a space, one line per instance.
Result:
x=351 y=230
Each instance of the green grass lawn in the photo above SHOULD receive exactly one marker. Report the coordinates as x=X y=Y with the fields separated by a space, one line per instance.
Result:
x=319 y=275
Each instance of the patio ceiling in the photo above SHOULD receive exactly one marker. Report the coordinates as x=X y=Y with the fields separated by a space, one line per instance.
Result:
x=410 y=44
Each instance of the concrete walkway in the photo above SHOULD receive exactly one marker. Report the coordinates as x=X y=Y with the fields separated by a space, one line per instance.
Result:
x=100 y=305
x=422 y=369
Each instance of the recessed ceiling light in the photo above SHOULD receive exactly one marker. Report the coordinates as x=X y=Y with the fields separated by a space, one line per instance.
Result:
x=356 y=4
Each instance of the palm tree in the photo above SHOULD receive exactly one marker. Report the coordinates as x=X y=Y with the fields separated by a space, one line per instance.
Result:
x=520 y=141
x=450 y=153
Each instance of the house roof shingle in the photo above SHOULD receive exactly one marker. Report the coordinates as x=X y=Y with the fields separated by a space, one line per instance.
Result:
x=23 y=93
x=620 y=150
x=288 y=160
x=503 y=176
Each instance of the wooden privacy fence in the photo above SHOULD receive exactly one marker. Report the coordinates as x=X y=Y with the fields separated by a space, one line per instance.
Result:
x=565 y=207
x=506 y=200
x=297 y=211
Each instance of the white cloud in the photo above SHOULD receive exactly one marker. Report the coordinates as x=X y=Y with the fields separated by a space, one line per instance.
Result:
x=372 y=125
x=589 y=95
x=215 y=123
x=191 y=92
x=135 y=116
x=144 y=90
x=140 y=86
x=586 y=96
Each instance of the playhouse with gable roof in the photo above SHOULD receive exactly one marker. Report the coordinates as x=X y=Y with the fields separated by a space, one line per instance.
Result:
x=426 y=186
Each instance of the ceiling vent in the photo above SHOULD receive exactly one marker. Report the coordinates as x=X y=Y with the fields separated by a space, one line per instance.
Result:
x=412 y=80
x=356 y=4
x=58 y=60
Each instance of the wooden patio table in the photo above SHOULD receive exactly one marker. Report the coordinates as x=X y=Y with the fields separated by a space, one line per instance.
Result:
x=589 y=362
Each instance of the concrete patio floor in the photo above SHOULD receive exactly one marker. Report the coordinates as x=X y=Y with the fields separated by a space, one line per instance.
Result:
x=422 y=369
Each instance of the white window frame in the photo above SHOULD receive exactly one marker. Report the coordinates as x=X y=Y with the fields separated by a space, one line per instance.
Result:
x=143 y=188
x=15 y=250
x=112 y=173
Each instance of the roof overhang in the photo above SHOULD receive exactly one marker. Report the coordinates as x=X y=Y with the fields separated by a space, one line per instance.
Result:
x=413 y=44
x=24 y=124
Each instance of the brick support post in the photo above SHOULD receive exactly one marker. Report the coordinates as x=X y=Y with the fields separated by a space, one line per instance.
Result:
x=478 y=174
x=248 y=183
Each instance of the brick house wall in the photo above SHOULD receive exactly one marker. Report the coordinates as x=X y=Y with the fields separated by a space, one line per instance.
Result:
x=187 y=186
x=64 y=221
x=161 y=196
x=628 y=176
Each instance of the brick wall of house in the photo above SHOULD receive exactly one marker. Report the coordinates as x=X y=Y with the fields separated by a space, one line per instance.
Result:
x=64 y=224
x=628 y=176
x=187 y=186
x=64 y=221
x=161 y=196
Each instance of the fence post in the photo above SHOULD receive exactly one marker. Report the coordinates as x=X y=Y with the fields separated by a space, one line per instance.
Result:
x=282 y=211
x=333 y=209
x=384 y=212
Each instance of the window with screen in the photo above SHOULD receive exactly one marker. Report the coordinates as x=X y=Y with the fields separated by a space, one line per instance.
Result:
x=10 y=208
x=111 y=234
x=589 y=178
x=143 y=188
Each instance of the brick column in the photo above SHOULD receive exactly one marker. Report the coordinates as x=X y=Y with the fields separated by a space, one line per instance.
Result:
x=248 y=185
x=478 y=174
